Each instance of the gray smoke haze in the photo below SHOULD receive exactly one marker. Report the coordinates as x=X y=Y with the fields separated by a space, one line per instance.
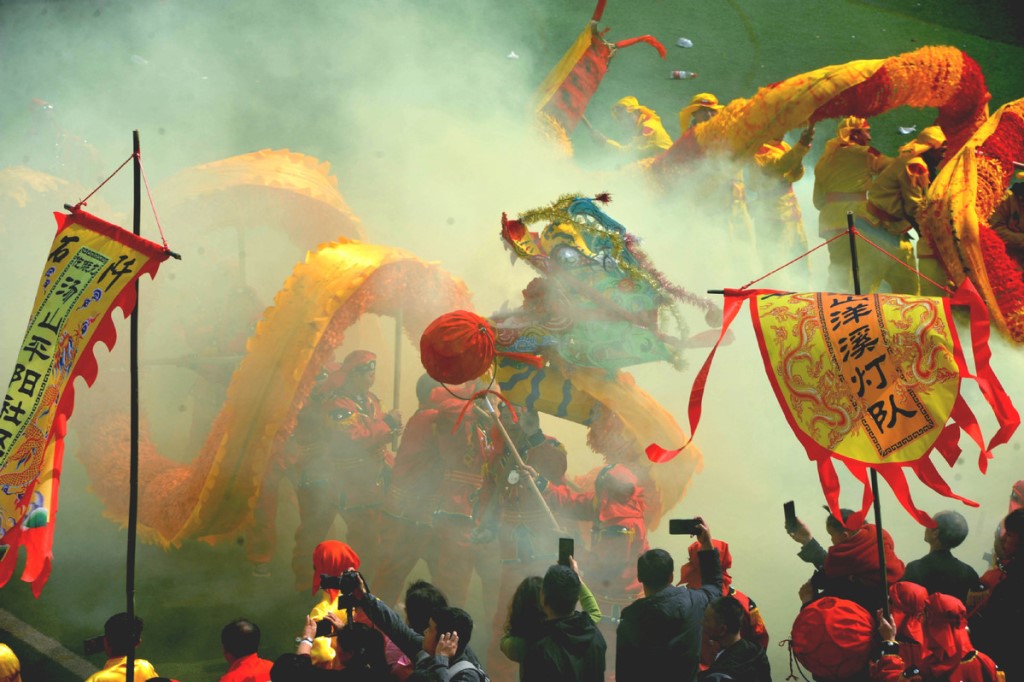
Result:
x=427 y=126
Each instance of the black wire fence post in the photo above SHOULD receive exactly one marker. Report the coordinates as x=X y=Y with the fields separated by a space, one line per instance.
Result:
x=852 y=231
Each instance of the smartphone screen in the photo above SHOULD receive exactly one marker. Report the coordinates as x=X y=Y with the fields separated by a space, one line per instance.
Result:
x=789 y=509
x=684 y=526
x=566 y=549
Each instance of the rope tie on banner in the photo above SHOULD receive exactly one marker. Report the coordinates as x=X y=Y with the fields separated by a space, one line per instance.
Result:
x=786 y=265
x=149 y=193
x=897 y=260
x=152 y=205
x=857 y=233
x=98 y=187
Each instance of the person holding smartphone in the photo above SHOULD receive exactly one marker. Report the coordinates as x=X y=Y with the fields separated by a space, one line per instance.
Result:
x=659 y=635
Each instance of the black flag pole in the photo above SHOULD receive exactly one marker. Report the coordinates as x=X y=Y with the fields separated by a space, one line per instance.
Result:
x=133 y=471
x=852 y=231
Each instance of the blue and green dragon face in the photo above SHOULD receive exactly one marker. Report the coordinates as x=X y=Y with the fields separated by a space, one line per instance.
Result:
x=597 y=301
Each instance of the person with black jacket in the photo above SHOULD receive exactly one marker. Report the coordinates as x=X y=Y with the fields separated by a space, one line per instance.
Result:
x=437 y=654
x=568 y=646
x=659 y=634
x=738 y=659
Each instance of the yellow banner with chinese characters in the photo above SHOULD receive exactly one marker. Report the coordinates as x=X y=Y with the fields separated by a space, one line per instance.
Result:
x=89 y=271
x=872 y=378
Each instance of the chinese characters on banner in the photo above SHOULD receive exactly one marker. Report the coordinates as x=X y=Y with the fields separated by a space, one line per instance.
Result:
x=873 y=381
x=88 y=272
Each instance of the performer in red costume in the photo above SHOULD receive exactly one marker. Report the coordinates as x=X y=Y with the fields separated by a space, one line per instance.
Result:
x=849 y=569
x=464 y=452
x=950 y=655
x=356 y=458
x=339 y=462
x=619 y=535
x=411 y=498
x=752 y=628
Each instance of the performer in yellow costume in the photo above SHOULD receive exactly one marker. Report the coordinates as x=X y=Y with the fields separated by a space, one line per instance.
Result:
x=842 y=176
x=893 y=201
x=649 y=136
x=728 y=191
x=776 y=210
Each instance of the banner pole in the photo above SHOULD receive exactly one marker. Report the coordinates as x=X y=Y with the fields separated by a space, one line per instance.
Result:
x=133 y=471
x=852 y=231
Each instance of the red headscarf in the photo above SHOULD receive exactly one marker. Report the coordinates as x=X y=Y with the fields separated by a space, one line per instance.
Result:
x=337 y=376
x=332 y=557
x=946 y=629
x=689 y=573
x=908 y=602
x=858 y=557
x=620 y=497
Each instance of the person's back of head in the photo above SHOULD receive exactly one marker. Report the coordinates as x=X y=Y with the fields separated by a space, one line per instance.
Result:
x=950 y=529
x=453 y=619
x=1013 y=536
x=1014 y=522
x=10 y=666
x=119 y=636
x=729 y=612
x=833 y=524
x=524 y=611
x=424 y=386
x=560 y=590
x=655 y=569
x=421 y=600
x=240 y=638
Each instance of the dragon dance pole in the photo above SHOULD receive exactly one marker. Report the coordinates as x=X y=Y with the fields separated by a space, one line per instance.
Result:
x=532 y=485
x=852 y=231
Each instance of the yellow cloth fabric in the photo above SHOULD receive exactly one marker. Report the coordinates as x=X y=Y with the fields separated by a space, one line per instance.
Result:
x=776 y=209
x=115 y=669
x=322 y=651
x=10 y=666
x=899 y=191
x=843 y=169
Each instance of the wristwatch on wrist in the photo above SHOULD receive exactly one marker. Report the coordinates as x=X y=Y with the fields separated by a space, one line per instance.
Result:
x=300 y=640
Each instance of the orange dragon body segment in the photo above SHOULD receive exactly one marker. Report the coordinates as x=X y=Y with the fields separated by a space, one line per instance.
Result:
x=934 y=76
x=213 y=495
x=955 y=216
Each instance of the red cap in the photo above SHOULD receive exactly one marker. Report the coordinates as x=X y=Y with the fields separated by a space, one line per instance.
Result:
x=332 y=557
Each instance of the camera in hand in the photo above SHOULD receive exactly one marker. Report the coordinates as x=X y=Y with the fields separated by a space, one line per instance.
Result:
x=684 y=526
x=347 y=583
